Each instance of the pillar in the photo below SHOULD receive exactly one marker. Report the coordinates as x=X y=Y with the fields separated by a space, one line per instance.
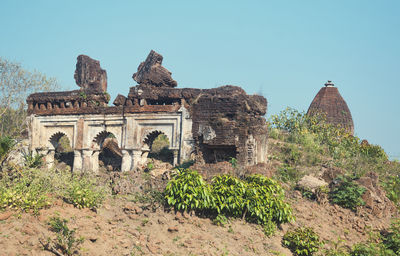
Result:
x=95 y=161
x=50 y=158
x=176 y=151
x=126 y=161
x=87 y=159
x=137 y=158
x=77 y=161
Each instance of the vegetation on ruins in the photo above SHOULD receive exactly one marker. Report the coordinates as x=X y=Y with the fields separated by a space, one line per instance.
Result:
x=65 y=241
x=302 y=241
x=301 y=142
x=256 y=198
x=16 y=83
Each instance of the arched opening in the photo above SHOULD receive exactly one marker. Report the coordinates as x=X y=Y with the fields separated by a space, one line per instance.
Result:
x=63 y=150
x=158 y=144
x=110 y=156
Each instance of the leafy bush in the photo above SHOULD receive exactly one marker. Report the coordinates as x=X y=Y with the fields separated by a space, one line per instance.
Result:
x=286 y=174
x=33 y=160
x=220 y=220
x=6 y=144
x=25 y=193
x=65 y=240
x=392 y=188
x=269 y=228
x=347 y=193
x=258 y=199
x=84 y=193
x=265 y=201
x=302 y=241
x=391 y=240
x=228 y=194
x=188 y=191
x=292 y=154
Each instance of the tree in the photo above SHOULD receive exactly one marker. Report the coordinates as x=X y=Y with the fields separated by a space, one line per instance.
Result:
x=16 y=84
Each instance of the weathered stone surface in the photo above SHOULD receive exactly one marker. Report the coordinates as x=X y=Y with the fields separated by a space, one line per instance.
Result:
x=120 y=100
x=89 y=75
x=311 y=183
x=330 y=103
x=209 y=125
x=376 y=201
x=151 y=72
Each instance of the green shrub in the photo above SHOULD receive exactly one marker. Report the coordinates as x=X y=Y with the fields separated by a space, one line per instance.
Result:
x=292 y=154
x=188 y=191
x=392 y=188
x=286 y=174
x=221 y=220
x=371 y=249
x=269 y=228
x=265 y=201
x=25 y=193
x=258 y=199
x=391 y=240
x=65 y=240
x=302 y=241
x=33 y=160
x=347 y=193
x=6 y=144
x=84 y=193
x=228 y=194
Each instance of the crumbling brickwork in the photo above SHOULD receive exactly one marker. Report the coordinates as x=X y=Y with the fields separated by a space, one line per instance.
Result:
x=210 y=125
x=330 y=103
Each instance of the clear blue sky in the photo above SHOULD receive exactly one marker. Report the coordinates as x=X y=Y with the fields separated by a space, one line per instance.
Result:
x=284 y=50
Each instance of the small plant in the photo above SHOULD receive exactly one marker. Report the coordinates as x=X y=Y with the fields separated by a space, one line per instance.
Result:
x=107 y=96
x=33 y=160
x=150 y=165
x=220 y=220
x=288 y=174
x=25 y=193
x=188 y=191
x=6 y=144
x=269 y=228
x=347 y=193
x=233 y=162
x=82 y=95
x=302 y=241
x=65 y=242
x=392 y=188
x=338 y=248
x=83 y=193
x=228 y=193
x=391 y=239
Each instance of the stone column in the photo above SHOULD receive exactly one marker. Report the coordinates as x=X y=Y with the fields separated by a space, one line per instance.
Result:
x=137 y=158
x=95 y=161
x=176 y=151
x=126 y=161
x=50 y=158
x=77 y=161
x=87 y=159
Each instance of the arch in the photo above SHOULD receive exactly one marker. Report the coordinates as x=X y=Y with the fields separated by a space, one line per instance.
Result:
x=163 y=151
x=101 y=137
x=110 y=155
x=62 y=146
x=55 y=139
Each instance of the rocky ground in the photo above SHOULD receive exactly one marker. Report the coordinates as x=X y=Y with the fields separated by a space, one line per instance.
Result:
x=130 y=224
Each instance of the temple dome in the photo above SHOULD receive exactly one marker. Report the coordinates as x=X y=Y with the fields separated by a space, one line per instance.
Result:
x=328 y=101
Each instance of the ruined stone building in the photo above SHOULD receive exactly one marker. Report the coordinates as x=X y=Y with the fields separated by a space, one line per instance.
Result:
x=329 y=102
x=208 y=125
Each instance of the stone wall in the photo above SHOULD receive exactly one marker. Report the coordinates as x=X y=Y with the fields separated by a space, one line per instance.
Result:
x=209 y=125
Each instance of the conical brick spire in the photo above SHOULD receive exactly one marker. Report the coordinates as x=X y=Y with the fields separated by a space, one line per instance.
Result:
x=328 y=101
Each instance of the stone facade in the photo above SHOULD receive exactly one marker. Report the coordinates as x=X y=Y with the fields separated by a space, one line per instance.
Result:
x=209 y=125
